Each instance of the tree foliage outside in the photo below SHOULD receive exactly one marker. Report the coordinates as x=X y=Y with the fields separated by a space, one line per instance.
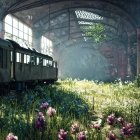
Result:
x=96 y=31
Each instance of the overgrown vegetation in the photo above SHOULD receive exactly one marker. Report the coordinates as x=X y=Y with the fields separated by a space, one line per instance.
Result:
x=96 y=31
x=72 y=110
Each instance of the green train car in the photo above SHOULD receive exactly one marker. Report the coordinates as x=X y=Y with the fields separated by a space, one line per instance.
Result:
x=21 y=66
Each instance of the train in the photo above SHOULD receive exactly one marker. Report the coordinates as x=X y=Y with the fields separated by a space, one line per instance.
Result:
x=21 y=67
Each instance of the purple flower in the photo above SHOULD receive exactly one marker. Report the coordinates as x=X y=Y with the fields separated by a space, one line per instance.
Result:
x=44 y=105
x=40 y=121
x=96 y=125
x=62 y=135
x=10 y=136
x=111 y=119
x=127 y=129
x=74 y=128
x=111 y=136
x=51 y=111
x=81 y=136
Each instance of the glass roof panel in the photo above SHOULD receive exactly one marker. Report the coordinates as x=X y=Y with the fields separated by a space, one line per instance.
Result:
x=85 y=23
x=81 y=14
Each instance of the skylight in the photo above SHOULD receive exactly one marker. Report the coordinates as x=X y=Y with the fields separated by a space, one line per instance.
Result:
x=81 y=14
x=85 y=23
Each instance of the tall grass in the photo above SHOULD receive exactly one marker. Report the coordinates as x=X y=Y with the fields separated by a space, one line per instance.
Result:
x=87 y=103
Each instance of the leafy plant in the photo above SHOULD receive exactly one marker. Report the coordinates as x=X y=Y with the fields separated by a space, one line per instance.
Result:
x=96 y=31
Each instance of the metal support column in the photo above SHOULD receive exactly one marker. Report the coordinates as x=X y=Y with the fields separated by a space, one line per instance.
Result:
x=1 y=29
x=138 y=51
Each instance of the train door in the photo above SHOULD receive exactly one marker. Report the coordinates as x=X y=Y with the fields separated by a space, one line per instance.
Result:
x=1 y=58
x=11 y=65
x=5 y=58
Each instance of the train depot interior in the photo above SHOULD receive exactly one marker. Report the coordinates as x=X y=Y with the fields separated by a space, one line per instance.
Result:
x=94 y=40
x=69 y=69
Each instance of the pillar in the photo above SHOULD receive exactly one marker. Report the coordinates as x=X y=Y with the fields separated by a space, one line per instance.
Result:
x=1 y=29
x=138 y=51
x=129 y=72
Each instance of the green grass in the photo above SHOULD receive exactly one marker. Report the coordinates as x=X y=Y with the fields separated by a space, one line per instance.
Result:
x=83 y=102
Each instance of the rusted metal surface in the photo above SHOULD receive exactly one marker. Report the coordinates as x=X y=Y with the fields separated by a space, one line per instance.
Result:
x=12 y=71
x=25 y=72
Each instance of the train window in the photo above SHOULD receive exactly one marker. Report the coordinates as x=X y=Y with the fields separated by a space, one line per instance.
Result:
x=11 y=53
x=40 y=61
x=37 y=60
x=28 y=59
x=33 y=60
x=1 y=57
x=50 y=63
x=47 y=62
x=54 y=64
x=44 y=62
x=18 y=57
x=25 y=59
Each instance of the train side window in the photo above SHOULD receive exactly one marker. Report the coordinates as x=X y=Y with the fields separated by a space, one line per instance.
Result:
x=28 y=59
x=44 y=62
x=32 y=60
x=11 y=53
x=41 y=61
x=18 y=57
x=50 y=63
x=47 y=62
x=25 y=59
x=1 y=57
x=54 y=64
x=37 y=60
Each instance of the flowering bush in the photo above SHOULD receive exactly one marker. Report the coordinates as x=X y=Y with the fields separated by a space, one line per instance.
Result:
x=127 y=129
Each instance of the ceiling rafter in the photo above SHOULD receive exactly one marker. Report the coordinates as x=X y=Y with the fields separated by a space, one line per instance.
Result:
x=118 y=16
x=100 y=5
x=64 y=12
x=114 y=14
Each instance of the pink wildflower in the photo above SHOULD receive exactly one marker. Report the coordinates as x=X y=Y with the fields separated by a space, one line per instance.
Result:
x=10 y=136
x=74 y=128
x=111 y=136
x=40 y=121
x=51 y=111
x=111 y=119
x=96 y=125
x=62 y=135
x=81 y=136
x=127 y=129
x=44 y=105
